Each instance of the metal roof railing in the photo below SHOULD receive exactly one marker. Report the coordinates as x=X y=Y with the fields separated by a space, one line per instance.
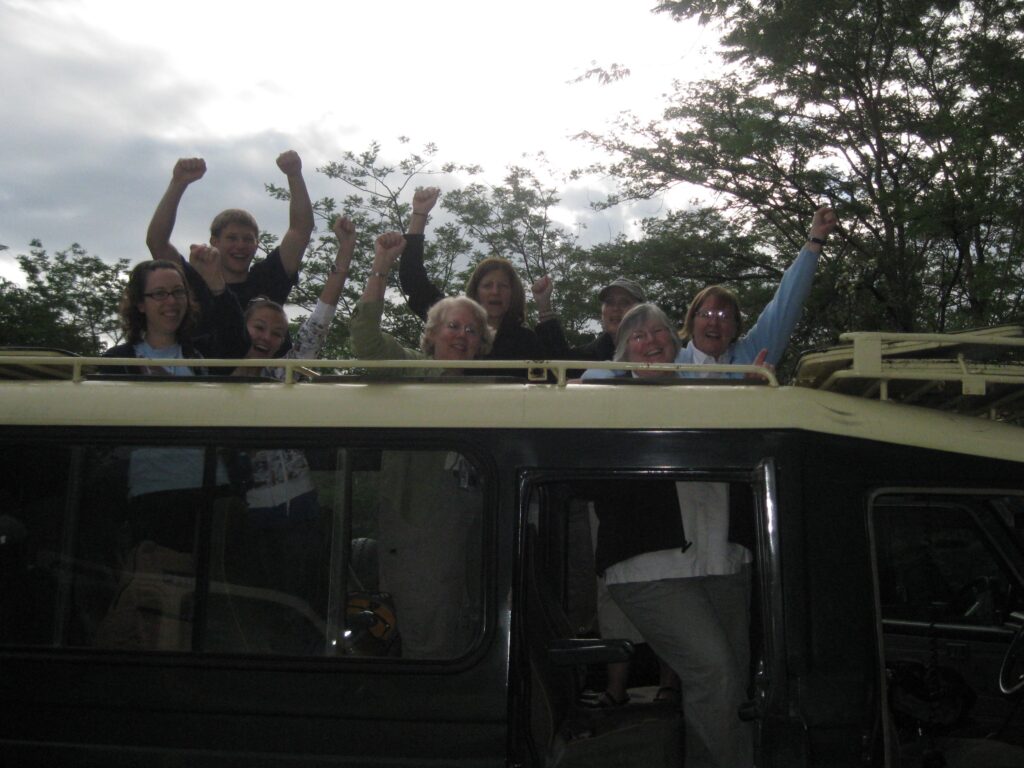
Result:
x=37 y=364
x=979 y=373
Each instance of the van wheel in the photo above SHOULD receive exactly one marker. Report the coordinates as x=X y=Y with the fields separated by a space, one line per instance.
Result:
x=1011 y=680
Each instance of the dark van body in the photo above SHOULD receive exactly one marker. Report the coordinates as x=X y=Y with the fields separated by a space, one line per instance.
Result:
x=877 y=561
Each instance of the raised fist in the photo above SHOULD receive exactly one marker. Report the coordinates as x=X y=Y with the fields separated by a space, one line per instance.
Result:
x=206 y=261
x=188 y=169
x=386 y=250
x=424 y=198
x=289 y=162
x=343 y=228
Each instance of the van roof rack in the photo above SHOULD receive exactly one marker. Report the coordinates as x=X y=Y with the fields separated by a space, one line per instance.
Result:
x=976 y=372
x=24 y=367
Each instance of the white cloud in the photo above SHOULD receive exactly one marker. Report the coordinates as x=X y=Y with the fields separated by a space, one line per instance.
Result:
x=102 y=96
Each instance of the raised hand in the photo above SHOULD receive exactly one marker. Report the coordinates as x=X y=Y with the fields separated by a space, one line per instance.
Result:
x=424 y=199
x=542 y=288
x=188 y=169
x=206 y=261
x=345 y=230
x=386 y=251
x=823 y=222
x=289 y=162
x=760 y=362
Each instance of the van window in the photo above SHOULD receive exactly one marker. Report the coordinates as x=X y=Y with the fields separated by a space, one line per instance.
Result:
x=949 y=583
x=937 y=562
x=169 y=545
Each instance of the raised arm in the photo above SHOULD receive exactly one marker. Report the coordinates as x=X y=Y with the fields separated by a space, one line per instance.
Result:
x=300 y=213
x=221 y=321
x=549 y=327
x=158 y=235
x=822 y=224
x=420 y=293
x=309 y=340
x=368 y=340
x=386 y=251
x=345 y=231
x=778 y=319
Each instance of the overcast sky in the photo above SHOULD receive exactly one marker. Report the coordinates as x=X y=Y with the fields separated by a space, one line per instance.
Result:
x=100 y=97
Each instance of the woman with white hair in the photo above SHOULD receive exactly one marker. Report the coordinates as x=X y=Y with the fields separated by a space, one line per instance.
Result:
x=456 y=327
x=429 y=520
x=663 y=549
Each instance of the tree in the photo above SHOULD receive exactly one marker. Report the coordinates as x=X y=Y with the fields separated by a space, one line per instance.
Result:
x=70 y=301
x=907 y=116
x=512 y=219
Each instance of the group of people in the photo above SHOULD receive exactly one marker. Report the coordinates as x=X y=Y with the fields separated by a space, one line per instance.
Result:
x=688 y=599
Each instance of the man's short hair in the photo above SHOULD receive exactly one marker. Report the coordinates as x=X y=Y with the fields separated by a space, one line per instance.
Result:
x=233 y=216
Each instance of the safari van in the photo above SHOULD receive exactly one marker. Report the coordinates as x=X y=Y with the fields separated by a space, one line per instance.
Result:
x=881 y=496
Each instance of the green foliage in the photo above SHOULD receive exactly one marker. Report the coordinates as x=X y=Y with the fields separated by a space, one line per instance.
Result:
x=70 y=301
x=908 y=117
x=512 y=220
x=377 y=198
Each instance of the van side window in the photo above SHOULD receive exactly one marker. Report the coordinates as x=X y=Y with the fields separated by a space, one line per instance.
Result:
x=935 y=561
x=328 y=551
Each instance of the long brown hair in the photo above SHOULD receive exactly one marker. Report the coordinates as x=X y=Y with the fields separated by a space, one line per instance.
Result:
x=517 y=306
x=133 y=321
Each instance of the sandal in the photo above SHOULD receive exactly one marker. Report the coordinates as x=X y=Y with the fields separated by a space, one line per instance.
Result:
x=604 y=700
x=667 y=695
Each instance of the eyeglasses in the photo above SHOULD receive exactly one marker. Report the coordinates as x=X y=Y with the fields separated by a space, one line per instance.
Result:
x=469 y=330
x=718 y=314
x=161 y=295
x=639 y=337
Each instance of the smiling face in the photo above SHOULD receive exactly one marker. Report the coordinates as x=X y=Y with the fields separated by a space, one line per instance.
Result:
x=267 y=330
x=650 y=342
x=714 y=325
x=495 y=295
x=458 y=337
x=617 y=302
x=237 y=246
x=164 y=315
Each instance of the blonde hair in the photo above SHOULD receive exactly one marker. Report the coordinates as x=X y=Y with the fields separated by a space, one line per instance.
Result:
x=718 y=291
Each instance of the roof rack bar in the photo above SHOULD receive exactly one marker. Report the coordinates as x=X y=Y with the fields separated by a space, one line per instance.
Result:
x=537 y=370
x=939 y=339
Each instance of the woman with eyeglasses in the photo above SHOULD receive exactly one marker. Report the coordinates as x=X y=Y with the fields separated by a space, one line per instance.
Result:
x=162 y=318
x=429 y=501
x=456 y=327
x=664 y=547
x=714 y=322
x=167 y=486
x=664 y=552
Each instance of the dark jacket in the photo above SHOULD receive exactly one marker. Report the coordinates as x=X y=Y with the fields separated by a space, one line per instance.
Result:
x=220 y=331
x=513 y=341
x=636 y=516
